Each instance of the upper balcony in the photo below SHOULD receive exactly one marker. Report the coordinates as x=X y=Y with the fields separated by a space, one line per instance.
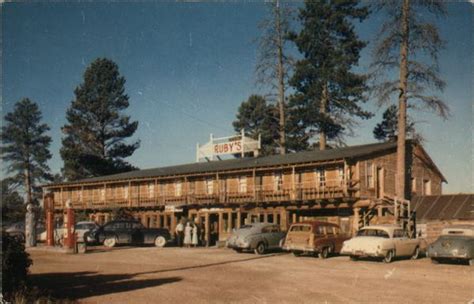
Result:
x=297 y=192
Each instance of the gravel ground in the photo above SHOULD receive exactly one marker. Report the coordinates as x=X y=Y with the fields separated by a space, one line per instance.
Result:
x=208 y=275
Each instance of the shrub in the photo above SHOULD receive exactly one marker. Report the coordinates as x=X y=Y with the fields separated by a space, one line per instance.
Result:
x=15 y=264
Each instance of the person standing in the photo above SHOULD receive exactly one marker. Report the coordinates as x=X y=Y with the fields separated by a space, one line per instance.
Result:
x=187 y=235
x=179 y=233
x=195 y=239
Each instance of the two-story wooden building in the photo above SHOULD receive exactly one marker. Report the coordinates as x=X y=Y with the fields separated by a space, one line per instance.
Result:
x=347 y=186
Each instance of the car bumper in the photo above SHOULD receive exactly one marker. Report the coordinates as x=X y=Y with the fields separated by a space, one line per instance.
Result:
x=364 y=253
x=454 y=254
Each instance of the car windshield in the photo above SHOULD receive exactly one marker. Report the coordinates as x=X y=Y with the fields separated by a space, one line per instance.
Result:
x=301 y=228
x=373 y=233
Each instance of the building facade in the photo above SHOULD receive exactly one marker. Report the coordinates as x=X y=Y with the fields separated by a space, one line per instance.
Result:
x=349 y=186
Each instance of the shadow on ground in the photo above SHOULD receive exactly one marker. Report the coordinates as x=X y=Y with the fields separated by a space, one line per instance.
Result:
x=77 y=285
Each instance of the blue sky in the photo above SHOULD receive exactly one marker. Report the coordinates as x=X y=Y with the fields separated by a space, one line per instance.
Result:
x=188 y=66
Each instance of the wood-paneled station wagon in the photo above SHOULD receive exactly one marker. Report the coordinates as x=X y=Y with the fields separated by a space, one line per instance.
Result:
x=381 y=241
x=350 y=186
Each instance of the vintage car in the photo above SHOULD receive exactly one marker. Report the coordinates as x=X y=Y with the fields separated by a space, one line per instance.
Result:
x=128 y=232
x=259 y=237
x=384 y=241
x=17 y=230
x=454 y=243
x=315 y=237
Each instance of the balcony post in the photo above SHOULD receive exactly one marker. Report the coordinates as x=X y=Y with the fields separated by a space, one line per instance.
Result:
x=293 y=184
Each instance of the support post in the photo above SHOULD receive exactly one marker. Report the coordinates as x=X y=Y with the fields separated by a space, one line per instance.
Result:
x=207 y=236
x=239 y=214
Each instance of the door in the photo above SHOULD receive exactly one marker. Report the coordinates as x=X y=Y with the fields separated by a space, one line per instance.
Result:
x=401 y=244
x=137 y=233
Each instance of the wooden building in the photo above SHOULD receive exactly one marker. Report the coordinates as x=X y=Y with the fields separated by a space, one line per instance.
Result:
x=349 y=186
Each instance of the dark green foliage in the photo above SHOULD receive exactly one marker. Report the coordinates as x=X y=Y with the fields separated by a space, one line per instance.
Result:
x=94 y=144
x=25 y=147
x=330 y=48
x=387 y=129
x=257 y=117
x=424 y=45
x=13 y=208
x=15 y=264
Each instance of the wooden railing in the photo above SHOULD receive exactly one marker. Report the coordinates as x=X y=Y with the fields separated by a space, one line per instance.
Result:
x=299 y=192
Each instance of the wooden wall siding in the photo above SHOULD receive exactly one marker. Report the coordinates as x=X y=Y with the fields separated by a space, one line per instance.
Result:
x=420 y=173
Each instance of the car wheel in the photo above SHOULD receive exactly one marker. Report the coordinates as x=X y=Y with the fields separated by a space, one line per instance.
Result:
x=389 y=256
x=354 y=258
x=260 y=249
x=160 y=241
x=324 y=253
x=110 y=241
x=238 y=250
x=297 y=253
x=471 y=262
x=416 y=253
x=434 y=261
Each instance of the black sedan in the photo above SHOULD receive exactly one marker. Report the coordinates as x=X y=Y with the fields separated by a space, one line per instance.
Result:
x=129 y=232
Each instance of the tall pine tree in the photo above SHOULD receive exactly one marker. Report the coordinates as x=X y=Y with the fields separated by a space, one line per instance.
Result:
x=410 y=46
x=327 y=92
x=256 y=117
x=25 y=147
x=94 y=142
x=387 y=129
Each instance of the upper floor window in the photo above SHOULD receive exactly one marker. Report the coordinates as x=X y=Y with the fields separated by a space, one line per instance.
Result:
x=341 y=175
x=209 y=186
x=151 y=190
x=102 y=194
x=242 y=184
x=413 y=184
x=125 y=192
x=426 y=187
x=277 y=181
x=320 y=177
x=178 y=188
x=370 y=175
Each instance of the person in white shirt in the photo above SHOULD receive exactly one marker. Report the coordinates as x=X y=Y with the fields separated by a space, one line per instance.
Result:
x=187 y=235
x=179 y=234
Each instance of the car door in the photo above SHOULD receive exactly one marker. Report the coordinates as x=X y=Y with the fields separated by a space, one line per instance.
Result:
x=274 y=236
x=401 y=243
x=138 y=233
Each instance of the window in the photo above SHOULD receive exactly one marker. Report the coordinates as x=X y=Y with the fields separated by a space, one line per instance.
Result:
x=426 y=187
x=277 y=181
x=301 y=228
x=373 y=232
x=319 y=230
x=151 y=190
x=125 y=192
x=341 y=175
x=329 y=230
x=413 y=184
x=178 y=187
x=370 y=175
x=320 y=177
x=209 y=186
x=242 y=184
x=102 y=194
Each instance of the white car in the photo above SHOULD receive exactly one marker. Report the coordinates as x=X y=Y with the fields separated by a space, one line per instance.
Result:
x=80 y=229
x=384 y=241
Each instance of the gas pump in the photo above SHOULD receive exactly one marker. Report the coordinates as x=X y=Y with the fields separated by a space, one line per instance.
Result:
x=69 y=222
x=48 y=207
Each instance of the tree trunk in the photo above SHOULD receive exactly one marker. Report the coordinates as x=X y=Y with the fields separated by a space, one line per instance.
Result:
x=281 y=82
x=402 y=103
x=323 y=110
x=29 y=196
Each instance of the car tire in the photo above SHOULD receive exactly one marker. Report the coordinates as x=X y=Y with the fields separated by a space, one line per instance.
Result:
x=160 y=241
x=260 y=249
x=389 y=256
x=110 y=241
x=354 y=258
x=324 y=253
x=416 y=253
x=471 y=262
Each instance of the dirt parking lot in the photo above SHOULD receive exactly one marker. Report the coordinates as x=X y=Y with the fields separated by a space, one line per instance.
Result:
x=202 y=275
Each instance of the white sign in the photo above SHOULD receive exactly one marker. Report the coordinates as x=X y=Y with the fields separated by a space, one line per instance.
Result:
x=229 y=145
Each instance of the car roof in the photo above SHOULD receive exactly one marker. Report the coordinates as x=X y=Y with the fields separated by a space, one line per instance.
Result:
x=383 y=227
x=85 y=222
x=316 y=223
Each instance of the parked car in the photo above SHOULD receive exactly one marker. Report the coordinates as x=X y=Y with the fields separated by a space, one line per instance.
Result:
x=128 y=232
x=259 y=237
x=454 y=243
x=58 y=234
x=315 y=237
x=17 y=230
x=83 y=228
x=384 y=241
